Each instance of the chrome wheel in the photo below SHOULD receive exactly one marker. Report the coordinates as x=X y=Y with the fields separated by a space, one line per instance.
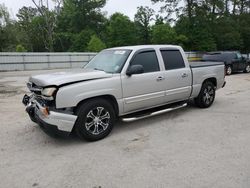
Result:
x=229 y=70
x=97 y=120
x=248 y=68
x=208 y=95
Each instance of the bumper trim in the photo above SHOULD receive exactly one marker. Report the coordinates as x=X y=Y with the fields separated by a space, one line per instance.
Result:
x=60 y=121
x=49 y=129
x=64 y=122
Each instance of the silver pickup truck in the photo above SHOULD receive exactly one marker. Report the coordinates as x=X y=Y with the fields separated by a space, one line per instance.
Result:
x=129 y=83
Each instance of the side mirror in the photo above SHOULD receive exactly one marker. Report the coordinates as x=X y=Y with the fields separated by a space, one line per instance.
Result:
x=135 y=69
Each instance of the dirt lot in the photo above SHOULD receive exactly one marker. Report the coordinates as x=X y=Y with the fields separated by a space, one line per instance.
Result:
x=190 y=147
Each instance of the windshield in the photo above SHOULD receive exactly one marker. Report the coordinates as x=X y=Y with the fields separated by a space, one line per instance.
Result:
x=110 y=61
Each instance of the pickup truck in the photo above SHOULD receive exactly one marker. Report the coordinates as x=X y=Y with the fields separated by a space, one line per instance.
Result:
x=234 y=61
x=127 y=83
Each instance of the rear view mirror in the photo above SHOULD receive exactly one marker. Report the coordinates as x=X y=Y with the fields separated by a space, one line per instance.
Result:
x=135 y=69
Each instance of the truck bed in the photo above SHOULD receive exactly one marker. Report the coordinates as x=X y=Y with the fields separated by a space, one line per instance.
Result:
x=198 y=64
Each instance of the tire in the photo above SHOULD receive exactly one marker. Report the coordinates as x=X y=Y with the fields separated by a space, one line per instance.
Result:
x=95 y=119
x=229 y=70
x=206 y=96
x=247 y=68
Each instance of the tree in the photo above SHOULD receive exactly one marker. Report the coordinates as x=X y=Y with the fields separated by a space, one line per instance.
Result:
x=4 y=15
x=49 y=20
x=121 y=31
x=20 y=48
x=80 y=40
x=95 y=44
x=227 y=34
x=8 y=30
x=25 y=17
x=77 y=15
x=177 y=7
x=244 y=25
x=143 y=17
x=163 y=34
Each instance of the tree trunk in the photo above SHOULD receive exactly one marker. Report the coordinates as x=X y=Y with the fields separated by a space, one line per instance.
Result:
x=226 y=7
x=234 y=6
x=242 y=3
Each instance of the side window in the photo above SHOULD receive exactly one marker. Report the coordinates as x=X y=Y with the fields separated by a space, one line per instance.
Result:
x=148 y=60
x=172 y=59
x=238 y=56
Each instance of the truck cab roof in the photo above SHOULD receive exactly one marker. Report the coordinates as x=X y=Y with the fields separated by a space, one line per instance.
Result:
x=139 y=47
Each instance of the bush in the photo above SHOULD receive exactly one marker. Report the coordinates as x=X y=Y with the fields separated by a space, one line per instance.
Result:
x=95 y=44
x=20 y=48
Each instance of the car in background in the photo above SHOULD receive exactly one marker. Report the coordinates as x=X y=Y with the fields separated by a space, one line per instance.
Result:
x=247 y=56
x=234 y=61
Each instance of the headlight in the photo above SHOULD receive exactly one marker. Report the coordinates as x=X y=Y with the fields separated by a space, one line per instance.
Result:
x=48 y=92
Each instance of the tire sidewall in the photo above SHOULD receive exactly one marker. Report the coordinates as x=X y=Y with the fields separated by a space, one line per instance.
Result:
x=247 y=71
x=228 y=67
x=199 y=101
x=205 y=85
x=82 y=112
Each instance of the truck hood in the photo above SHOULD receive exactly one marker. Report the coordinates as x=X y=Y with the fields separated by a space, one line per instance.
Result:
x=67 y=77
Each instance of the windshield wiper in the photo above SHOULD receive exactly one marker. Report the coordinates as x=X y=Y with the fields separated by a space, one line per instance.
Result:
x=99 y=69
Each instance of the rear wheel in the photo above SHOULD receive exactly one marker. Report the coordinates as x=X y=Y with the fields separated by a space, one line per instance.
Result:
x=247 y=69
x=206 y=96
x=95 y=119
x=229 y=70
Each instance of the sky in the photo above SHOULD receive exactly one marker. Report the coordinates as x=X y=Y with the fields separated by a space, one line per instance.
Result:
x=128 y=7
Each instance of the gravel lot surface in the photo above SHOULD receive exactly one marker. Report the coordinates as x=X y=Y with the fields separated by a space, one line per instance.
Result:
x=190 y=147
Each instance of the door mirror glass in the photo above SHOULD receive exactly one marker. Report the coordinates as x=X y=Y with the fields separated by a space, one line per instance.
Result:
x=135 y=69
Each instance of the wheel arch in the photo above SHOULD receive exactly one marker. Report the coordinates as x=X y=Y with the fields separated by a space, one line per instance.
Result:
x=107 y=97
x=213 y=80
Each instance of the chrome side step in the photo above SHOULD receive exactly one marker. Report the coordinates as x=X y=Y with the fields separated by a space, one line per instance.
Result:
x=130 y=119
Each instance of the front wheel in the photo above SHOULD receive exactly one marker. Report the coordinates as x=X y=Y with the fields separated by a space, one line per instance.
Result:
x=206 y=96
x=247 y=69
x=95 y=119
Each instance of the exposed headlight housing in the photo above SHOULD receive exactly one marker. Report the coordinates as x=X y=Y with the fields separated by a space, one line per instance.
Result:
x=49 y=92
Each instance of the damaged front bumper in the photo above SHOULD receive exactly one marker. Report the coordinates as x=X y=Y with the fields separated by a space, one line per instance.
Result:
x=52 y=122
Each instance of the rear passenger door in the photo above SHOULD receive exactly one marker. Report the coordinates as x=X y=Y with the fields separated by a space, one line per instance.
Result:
x=178 y=77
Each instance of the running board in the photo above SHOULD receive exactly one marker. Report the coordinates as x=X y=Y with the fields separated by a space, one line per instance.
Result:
x=130 y=119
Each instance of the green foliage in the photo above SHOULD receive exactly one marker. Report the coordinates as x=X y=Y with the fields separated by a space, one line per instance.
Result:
x=121 y=31
x=143 y=17
x=80 y=41
x=20 y=48
x=95 y=44
x=7 y=30
x=163 y=34
x=74 y=25
x=63 y=41
x=77 y=15
x=227 y=34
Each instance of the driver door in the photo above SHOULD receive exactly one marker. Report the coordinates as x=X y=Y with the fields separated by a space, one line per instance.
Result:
x=144 y=90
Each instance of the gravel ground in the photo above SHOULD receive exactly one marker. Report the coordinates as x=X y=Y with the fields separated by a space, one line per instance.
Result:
x=190 y=147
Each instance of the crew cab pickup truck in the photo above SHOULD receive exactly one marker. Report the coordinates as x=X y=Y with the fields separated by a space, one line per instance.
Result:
x=129 y=83
x=234 y=61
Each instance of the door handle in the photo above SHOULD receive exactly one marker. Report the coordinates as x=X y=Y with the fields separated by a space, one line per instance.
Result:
x=184 y=75
x=160 y=78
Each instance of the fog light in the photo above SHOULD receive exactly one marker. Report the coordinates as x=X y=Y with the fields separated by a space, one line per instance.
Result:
x=45 y=111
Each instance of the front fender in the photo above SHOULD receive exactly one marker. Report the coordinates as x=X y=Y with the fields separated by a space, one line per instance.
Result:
x=71 y=95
